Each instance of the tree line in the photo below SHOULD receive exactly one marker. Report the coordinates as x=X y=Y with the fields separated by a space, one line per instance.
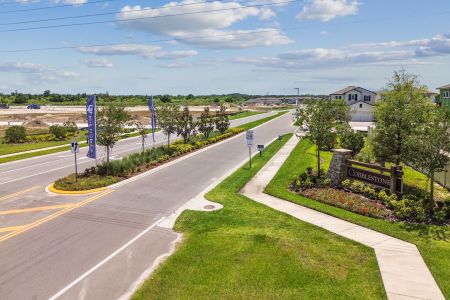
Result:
x=112 y=118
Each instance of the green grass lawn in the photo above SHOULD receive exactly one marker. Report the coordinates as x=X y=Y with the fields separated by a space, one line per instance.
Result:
x=250 y=125
x=249 y=251
x=244 y=114
x=433 y=242
x=14 y=148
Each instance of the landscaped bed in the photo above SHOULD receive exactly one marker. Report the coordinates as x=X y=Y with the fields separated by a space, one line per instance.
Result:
x=108 y=173
x=249 y=251
x=433 y=241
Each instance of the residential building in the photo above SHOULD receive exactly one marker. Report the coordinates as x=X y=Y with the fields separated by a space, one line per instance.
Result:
x=360 y=100
x=445 y=95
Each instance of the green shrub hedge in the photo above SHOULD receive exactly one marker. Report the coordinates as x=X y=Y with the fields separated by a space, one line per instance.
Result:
x=105 y=174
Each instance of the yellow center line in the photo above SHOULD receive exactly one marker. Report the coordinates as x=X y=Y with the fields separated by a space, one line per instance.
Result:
x=34 y=209
x=53 y=216
x=18 y=193
x=12 y=228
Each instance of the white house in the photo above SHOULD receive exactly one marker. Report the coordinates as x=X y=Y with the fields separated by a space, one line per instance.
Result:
x=361 y=102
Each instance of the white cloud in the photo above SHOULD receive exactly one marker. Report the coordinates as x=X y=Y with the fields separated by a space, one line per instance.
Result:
x=144 y=51
x=97 y=63
x=70 y=2
x=326 y=10
x=320 y=58
x=267 y=14
x=222 y=39
x=187 y=25
x=37 y=73
x=435 y=46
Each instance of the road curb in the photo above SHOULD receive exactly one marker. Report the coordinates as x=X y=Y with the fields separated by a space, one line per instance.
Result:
x=51 y=188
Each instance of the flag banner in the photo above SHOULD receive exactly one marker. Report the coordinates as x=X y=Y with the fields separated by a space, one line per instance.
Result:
x=151 y=106
x=92 y=126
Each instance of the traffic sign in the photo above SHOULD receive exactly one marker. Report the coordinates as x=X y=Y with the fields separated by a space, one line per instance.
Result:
x=260 y=147
x=249 y=137
x=249 y=134
x=74 y=147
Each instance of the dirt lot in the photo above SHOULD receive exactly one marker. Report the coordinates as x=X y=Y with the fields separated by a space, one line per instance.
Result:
x=61 y=114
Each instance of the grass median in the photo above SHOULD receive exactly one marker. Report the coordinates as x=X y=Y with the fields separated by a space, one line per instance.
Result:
x=249 y=251
x=244 y=114
x=432 y=241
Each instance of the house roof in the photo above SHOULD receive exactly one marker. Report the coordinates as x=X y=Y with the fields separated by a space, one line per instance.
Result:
x=345 y=90
x=350 y=88
x=444 y=87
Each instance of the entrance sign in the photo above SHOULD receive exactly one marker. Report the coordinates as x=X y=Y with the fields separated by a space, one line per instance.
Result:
x=369 y=177
x=92 y=126
x=393 y=180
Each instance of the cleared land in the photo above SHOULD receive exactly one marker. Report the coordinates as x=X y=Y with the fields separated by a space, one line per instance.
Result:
x=249 y=251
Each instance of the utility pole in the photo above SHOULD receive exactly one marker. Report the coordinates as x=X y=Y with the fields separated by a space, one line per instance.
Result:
x=298 y=96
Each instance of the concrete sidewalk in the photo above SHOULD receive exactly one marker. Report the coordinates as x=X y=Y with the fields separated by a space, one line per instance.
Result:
x=404 y=272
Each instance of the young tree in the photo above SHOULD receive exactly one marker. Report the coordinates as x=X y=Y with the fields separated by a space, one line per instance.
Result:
x=319 y=119
x=403 y=107
x=430 y=148
x=142 y=130
x=110 y=121
x=221 y=120
x=186 y=126
x=167 y=115
x=206 y=123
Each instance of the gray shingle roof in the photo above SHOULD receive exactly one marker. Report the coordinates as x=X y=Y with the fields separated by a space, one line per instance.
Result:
x=444 y=87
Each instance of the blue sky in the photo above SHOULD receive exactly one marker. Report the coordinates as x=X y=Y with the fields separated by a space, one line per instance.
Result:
x=247 y=46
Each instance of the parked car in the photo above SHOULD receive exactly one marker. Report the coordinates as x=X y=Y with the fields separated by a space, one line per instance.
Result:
x=4 y=106
x=34 y=106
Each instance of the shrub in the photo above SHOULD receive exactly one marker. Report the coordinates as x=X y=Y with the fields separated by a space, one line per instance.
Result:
x=15 y=134
x=352 y=140
x=71 y=127
x=58 y=131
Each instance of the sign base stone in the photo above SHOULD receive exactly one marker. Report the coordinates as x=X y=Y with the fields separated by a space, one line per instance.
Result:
x=338 y=166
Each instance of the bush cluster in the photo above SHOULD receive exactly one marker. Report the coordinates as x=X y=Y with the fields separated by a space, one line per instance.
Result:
x=411 y=207
x=348 y=201
x=310 y=179
x=15 y=134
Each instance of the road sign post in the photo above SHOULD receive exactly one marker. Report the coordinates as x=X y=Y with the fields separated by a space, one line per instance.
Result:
x=249 y=136
x=260 y=149
x=75 y=150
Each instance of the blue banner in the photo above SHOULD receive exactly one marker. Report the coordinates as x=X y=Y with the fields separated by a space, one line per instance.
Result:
x=92 y=126
x=151 y=106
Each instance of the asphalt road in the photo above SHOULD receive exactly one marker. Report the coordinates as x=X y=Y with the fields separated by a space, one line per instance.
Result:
x=97 y=246
x=43 y=170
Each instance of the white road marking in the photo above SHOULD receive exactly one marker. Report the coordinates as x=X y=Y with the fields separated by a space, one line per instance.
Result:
x=90 y=271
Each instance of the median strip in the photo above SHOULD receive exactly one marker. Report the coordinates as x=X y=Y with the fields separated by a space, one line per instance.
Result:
x=107 y=174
